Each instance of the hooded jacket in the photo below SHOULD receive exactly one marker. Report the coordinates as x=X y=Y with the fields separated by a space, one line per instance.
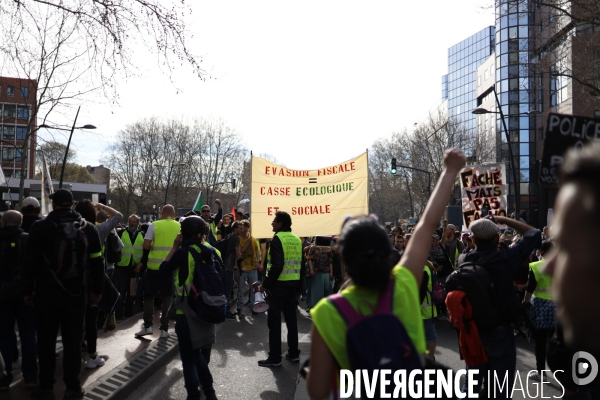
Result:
x=41 y=241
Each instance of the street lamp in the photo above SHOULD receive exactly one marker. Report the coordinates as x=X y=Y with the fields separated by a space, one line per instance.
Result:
x=86 y=126
x=479 y=111
x=169 y=175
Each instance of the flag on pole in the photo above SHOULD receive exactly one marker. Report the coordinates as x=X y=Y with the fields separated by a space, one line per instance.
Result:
x=198 y=205
x=2 y=178
x=47 y=188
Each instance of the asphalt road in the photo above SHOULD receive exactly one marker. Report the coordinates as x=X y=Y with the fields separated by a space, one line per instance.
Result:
x=241 y=343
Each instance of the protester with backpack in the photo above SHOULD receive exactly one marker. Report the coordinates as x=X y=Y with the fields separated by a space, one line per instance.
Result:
x=64 y=250
x=12 y=254
x=378 y=288
x=191 y=264
x=486 y=276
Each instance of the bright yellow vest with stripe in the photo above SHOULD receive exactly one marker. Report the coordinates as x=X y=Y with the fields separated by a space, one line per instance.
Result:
x=132 y=252
x=428 y=310
x=181 y=290
x=332 y=326
x=292 y=256
x=544 y=282
x=165 y=232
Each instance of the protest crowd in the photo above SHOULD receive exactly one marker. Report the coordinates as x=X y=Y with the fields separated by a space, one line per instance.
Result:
x=373 y=292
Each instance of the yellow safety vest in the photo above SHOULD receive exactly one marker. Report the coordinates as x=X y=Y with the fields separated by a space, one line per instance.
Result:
x=213 y=229
x=428 y=310
x=292 y=256
x=165 y=232
x=180 y=290
x=544 y=282
x=332 y=326
x=132 y=252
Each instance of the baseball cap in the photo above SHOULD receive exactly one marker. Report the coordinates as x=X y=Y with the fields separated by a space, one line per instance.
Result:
x=484 y=229
x=30 y=201
x=62 y=197
x=465 y=235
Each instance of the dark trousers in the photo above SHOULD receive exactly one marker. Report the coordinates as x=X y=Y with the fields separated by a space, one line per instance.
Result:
x=287 y=305
x=91 y=328
x=54 y=310
x=25 y=317
x=228 y=286
x=194 y=362
x=541 y=337
x=122 y=281
x=499 y=345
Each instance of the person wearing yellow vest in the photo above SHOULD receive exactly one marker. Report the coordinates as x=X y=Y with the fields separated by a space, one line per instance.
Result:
x=364 y=251
x=212 y=220
x=542 y=313
x=428 y=309
x=133 y=245
x=283 y=283
x=195 y=337
x=157 y=243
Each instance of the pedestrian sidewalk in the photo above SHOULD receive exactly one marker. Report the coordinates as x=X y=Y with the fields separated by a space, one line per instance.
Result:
x=304 y=346
x=129 y=361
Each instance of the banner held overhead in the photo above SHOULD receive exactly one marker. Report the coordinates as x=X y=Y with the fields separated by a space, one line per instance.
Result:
x=317 y=200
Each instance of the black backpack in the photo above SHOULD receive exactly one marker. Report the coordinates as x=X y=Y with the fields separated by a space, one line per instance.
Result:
x=474 y=279
x=112 y=253
x=12 y=290
x=224 y=246
x=68 y=256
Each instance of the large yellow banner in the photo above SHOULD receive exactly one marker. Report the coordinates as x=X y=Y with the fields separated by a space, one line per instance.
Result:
x=317 y=200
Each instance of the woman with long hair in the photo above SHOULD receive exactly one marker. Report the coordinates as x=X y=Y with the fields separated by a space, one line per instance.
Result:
x=365 y=252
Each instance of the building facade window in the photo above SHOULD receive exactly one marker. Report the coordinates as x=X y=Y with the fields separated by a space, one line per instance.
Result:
x=24 y=92
x=8 y=154
x=21 y=132
x=558 y=85
x=8 y=132
x=23 y=112
x=10 y=111
x=10 y=91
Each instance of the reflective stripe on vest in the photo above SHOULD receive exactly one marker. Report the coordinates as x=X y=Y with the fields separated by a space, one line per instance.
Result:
x=428 y=310
x=131 y=253
x=544 y=282
x=165 y=232
x=213 y=229
x=179 y=289
x=292 y=256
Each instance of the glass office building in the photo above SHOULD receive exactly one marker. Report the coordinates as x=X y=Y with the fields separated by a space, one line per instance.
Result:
x=459 y=86
x=513 y=84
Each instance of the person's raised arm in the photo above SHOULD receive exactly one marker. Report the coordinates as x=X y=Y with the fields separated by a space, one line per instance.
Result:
x=416 y=252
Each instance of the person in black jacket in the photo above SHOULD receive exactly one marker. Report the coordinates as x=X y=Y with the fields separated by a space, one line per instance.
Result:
x=283 y=282
x=60 y=302
x=31 y=209
x=12 y=253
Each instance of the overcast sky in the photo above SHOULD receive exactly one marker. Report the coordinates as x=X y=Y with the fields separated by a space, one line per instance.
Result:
x=311 y=83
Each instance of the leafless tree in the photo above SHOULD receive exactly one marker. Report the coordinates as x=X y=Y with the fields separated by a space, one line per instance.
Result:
x=212 y=155
x=71 y=49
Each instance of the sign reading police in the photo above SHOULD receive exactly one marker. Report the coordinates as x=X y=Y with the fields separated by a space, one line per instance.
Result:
x=317 y=200
x=483 y=191
x=562 y=133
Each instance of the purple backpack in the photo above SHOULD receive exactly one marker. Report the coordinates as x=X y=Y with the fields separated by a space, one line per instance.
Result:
x=379 y=340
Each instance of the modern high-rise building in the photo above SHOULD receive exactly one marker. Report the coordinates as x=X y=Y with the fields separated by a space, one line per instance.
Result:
x=17 y=101
x=459 y=85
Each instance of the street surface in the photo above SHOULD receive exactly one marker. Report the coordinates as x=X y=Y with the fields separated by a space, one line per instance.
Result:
x=241 y=343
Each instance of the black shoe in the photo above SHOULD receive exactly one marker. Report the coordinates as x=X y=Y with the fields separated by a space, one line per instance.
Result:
x=294 y=359
x=229 y=316
x=270 y=362
x=74 y=393
x=43 y=393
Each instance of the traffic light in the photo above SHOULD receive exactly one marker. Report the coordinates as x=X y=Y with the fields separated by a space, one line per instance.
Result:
x=394 y=170
x=233 y=183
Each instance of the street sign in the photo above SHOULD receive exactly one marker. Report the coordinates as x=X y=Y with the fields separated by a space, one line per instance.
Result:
x=562 y=133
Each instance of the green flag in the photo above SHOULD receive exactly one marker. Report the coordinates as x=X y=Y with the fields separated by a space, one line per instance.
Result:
x=198 y=204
